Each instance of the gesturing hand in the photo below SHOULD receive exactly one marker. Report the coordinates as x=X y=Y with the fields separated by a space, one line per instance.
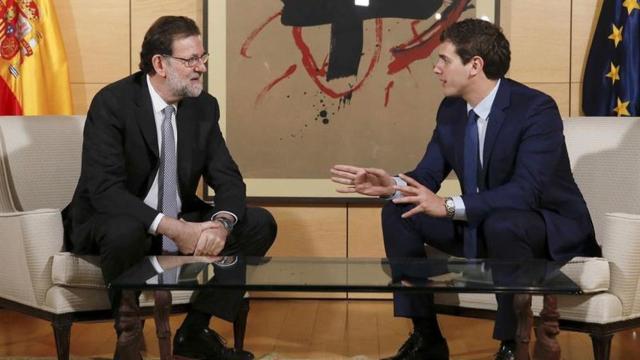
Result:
x=425 y=200
x=365 y=181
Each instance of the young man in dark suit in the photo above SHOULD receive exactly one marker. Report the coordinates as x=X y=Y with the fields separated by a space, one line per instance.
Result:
x=504 y=141
x=148 y=139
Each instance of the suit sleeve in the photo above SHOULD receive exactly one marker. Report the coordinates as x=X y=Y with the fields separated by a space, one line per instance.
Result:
x=223 y=175
x=433 y=168
x=538 y=153
x=104 y=161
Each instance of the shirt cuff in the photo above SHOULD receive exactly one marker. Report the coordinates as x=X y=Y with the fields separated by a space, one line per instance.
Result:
x=156 y=264
x=235 y=218
x=399 y=182
x=153 y=229
x=461 y=213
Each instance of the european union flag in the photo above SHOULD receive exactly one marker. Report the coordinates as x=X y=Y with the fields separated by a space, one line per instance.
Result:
x=612 y=76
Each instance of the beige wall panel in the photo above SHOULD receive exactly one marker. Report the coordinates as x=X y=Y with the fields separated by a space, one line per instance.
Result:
x=308 y=231
x=584 y=17
x=82 y=94
x=576 y=99
x=96 y=39
x=560 y=92
x=145 y=12
x=539 y=33
x=365 y=240
x=365 y=232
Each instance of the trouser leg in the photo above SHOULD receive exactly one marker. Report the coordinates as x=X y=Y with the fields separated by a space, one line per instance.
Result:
x=121 y=242
x=511 y=235
x=405 y=238
x=253 y=236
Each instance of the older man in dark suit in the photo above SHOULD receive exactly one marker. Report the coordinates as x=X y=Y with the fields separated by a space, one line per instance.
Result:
x=504 y=141
x=148 y=139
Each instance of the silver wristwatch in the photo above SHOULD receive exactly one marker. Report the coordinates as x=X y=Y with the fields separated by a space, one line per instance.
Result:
x=228 y=224
x=450 y=206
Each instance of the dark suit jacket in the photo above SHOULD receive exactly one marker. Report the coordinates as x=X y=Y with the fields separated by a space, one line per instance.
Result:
x=525 y=166
x=120 y=157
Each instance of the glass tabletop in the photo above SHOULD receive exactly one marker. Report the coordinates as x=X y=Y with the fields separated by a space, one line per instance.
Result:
x=352 y=274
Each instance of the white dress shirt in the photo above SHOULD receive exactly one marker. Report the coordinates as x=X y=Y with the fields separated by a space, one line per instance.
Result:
x=483 y=110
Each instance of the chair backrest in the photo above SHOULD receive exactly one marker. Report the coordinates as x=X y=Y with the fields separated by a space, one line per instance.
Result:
x=605 y=158
x=39 y=161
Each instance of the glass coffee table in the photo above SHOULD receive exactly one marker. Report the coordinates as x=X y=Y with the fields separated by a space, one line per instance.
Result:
x=321 y=274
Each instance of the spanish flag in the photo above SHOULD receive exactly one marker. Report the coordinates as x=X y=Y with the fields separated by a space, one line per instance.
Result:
x=34 y=79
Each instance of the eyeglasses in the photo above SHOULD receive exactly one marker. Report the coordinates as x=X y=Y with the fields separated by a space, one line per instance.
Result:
x=192 y=61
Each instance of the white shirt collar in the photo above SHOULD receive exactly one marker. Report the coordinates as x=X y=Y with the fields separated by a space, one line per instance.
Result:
x=484 y=107
x=156 y=101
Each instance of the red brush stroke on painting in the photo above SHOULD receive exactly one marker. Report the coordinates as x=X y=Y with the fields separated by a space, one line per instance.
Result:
x=387 y=89
x=315 y=73
x=269 y=86
x=405 y=54
x=254 y=33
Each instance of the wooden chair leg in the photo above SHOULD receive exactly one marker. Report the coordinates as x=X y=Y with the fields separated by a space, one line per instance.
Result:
x=62 y=334
x=161 y=311
x=240 y=325
x=601 y=346
x=522 y=307
x=547 y=346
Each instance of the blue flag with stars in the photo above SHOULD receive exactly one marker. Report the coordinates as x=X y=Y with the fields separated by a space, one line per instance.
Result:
x=612 y=76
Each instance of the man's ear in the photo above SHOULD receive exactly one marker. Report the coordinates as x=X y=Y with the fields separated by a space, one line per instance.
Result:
x=159 y=65
x=477 y=65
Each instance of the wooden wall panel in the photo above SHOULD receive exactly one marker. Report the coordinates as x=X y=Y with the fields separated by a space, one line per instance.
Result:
x=576 y=99
x=365 y=232
x=145 y=12
x=96 y=39
x=305 y=231
x=584 y=16
x=539 y=33
x=82 y=94
x=365 y=240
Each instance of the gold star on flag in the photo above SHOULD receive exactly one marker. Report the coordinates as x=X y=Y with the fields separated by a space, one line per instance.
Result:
x=630 y=5
x=614 y=74
x=621 y=109
x=616 y=34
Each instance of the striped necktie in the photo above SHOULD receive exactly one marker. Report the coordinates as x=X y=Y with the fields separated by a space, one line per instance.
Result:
x=168 y=176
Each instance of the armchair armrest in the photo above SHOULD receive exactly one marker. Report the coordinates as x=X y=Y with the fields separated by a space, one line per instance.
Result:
x=29 y=241
x=621 y=246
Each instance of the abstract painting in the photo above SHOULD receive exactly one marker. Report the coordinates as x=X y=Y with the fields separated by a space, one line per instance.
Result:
x=311 y=83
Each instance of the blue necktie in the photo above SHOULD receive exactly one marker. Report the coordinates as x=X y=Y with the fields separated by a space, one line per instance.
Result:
x=168 y=176
x=470 y=183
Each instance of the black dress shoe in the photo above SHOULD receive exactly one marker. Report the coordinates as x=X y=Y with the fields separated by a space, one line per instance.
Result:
x=417 y=347
x=205 y=344
x=507 y=351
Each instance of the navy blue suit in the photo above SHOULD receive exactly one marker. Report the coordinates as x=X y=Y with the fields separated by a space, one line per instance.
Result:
x=528 y=206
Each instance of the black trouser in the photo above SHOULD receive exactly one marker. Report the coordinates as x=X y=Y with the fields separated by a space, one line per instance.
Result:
x=505 y=234
x=121 y=242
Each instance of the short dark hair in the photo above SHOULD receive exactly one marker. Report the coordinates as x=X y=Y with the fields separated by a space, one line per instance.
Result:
x=160 y=37
x=475 y=37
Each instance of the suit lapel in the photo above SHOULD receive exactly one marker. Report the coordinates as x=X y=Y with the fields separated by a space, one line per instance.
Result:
x=496 y=119
x=145 y=118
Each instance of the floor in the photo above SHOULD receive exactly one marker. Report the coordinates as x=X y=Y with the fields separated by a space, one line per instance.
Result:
x=318 y=329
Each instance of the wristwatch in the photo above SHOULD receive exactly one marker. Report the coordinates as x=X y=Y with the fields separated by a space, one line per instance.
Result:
x=450 y=206
x=228 y=224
